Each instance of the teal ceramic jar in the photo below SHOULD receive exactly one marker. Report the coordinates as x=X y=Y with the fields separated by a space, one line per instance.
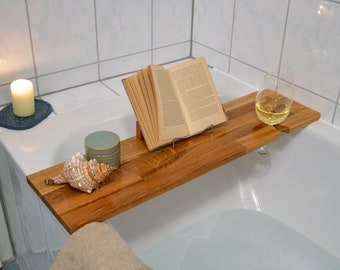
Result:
x=104 y=146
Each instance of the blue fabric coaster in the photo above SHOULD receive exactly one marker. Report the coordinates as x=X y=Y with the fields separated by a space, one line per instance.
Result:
x=11 y=121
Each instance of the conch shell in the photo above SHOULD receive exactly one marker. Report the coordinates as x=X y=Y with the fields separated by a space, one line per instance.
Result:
x=82 y=174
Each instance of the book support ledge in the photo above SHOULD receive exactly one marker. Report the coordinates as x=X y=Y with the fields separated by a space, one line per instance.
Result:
x=144 y=175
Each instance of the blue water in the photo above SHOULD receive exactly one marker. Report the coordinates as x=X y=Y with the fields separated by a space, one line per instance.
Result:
x=239 y=239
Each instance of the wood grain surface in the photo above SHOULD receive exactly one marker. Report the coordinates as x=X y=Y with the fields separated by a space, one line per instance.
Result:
x=144 y=175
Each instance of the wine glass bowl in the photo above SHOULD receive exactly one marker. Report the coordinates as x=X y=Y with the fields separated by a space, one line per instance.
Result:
x=274 y=99
x=272 y=105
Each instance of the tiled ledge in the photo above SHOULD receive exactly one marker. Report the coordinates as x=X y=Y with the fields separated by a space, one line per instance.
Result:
x=79 y=97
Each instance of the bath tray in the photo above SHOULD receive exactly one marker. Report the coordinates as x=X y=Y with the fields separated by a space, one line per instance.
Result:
x=144 y=175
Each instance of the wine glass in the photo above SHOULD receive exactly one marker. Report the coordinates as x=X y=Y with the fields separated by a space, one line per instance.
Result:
x=272 y=105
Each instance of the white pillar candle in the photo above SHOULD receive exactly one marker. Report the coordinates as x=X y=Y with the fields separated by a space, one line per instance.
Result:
x=22 y=97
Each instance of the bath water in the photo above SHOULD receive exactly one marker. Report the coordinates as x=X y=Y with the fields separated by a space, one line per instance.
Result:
x=239 y=239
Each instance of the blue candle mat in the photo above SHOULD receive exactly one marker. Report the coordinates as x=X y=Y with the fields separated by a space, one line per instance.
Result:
x=9 y=120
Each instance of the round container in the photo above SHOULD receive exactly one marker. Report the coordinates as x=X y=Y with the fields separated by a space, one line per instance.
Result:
x=104 y=146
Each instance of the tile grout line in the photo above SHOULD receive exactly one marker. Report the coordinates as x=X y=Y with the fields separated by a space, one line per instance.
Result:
x=231 y=37
x=32 y=50
x=283 y=38
x=192 y=27
x=152 y=29
x=97 y=41
x=335 y=107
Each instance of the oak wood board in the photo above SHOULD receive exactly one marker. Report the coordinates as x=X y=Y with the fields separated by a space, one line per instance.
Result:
x=144 y=175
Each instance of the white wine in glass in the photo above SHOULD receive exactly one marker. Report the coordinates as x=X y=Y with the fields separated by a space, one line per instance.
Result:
x=272 y=105
x=274 y=99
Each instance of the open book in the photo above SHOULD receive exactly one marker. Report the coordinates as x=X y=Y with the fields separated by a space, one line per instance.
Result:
x=174 y=103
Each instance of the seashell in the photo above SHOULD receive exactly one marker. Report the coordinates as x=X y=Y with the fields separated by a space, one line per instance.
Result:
x=82 y=174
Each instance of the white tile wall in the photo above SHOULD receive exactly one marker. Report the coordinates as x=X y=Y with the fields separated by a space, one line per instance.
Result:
x=298 y=37
x=125 y=64
x=258 y=32
x=213 y=24
x=124 y=27
x=312 y=45
x=63 y=34
x=69 y=100
x=169 y=53
x=15 y=49
x=171 y=22
x=72 y=44
x=67 y=78
x=67 y=43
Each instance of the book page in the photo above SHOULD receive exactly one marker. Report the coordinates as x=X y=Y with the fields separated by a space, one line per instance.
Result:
x=139 y=106
x=146 y=89
x=197 y=95
x=174 y=103
x=171 y=122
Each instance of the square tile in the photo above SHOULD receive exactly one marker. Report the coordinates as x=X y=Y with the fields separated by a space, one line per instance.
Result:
x=213 y=24
x=124 y=27
x=171 y=22
x=122 y=65
x=63 y=34
x=67 y=79
x=258 y=32
x=16 y=61
x=215 y=59
x=311 y=48
x=79 y=97
x=171 y=53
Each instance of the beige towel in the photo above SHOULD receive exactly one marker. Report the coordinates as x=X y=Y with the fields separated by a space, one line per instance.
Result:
x=97 y=246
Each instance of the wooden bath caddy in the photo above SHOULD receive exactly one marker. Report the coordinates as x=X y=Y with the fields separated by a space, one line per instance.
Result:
x=144 y=175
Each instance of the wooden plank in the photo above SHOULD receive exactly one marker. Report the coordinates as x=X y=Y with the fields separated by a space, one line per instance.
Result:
x=144 y=175
x=299 y=117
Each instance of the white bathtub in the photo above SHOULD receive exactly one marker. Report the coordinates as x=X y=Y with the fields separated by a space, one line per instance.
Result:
x=300 y=187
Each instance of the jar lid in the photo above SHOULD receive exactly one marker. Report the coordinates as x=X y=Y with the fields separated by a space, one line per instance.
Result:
x=102 y=140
